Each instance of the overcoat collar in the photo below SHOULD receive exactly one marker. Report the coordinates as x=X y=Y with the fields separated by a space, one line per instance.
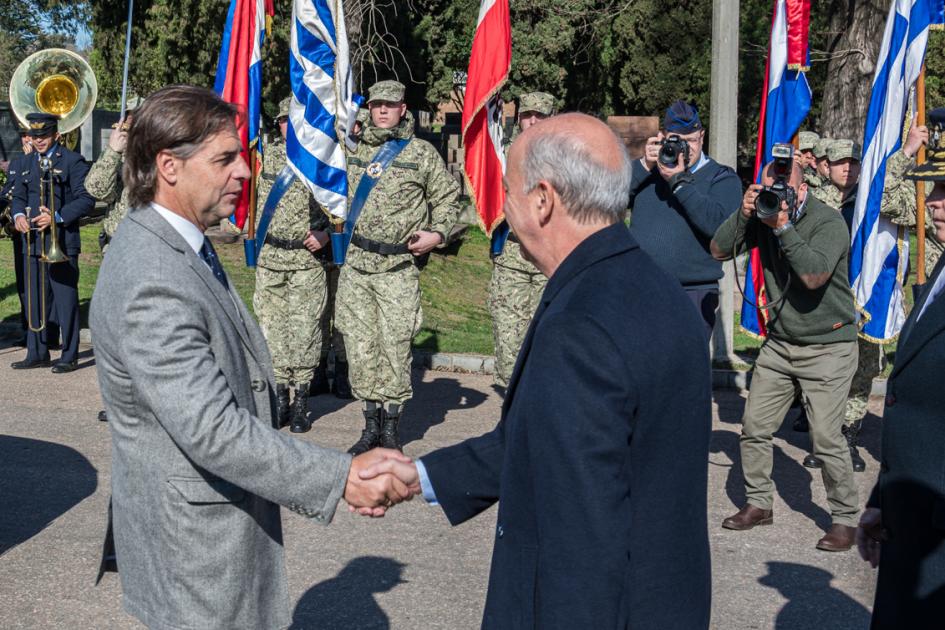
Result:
x=915 y=334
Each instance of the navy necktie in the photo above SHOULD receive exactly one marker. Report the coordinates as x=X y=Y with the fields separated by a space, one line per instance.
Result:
x=209 y=256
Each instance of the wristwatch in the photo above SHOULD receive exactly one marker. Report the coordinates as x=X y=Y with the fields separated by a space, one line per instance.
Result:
x=778 y=231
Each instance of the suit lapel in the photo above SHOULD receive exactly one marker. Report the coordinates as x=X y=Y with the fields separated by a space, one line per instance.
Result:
x=914 y=333
x=153 y=221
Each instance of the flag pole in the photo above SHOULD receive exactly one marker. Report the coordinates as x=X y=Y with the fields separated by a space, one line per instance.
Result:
x=124 y=75
x=251 y=230
x=920 y=186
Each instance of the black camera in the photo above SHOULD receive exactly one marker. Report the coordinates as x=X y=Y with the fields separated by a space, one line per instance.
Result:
x=768 y=202
x=671 y=148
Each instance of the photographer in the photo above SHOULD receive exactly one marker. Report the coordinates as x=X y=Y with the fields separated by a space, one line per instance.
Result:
x=804 y=246
x=679 y=197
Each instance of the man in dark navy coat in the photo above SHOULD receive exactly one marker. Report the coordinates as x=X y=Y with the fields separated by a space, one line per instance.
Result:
x=67 y=170
x=902 y=529
x=599 y=462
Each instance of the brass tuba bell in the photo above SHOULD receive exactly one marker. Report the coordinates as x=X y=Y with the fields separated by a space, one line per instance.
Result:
x=54 y=81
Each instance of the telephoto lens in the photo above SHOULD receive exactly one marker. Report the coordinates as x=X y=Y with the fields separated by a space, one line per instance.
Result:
x=767 y=203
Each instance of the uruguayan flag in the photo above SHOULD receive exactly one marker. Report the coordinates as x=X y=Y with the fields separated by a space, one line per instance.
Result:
x=323 y=106
x=879 y=253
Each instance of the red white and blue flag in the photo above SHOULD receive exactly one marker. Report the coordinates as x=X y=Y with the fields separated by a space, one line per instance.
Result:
x=784 y=106
x=239 y=77
x=489 y=64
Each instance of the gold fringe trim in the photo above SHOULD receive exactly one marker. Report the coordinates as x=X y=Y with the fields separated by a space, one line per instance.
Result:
x=798 y=67
x=937 y=27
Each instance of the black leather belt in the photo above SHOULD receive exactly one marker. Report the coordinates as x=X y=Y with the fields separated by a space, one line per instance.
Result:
x=284 y=243
x=377 y=247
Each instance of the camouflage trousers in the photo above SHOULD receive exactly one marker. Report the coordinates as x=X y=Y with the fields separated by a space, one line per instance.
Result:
x=869 y=366
x=513 y=299
x=289 y=307
x=379 y=314
x=331 y=336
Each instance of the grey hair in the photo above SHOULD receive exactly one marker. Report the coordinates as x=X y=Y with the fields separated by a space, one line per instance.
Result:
x=591 y=191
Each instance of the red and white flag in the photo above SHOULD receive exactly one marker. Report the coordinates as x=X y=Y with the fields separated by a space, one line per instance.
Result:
x=489 y=65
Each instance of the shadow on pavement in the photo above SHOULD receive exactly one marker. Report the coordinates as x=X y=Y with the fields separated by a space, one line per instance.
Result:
x=346 y=602
x=41 y=482
x=726 y=442
x=431 y=403
x=812 y=601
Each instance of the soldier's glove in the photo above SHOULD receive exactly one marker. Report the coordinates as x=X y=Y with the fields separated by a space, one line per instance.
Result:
x=679 y=179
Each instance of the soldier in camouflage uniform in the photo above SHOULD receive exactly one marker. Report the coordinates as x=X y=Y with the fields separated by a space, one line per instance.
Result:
x=104 y=179
x=411 y=210
x=517 y=284
x=806 y=140
x=819 y=173
x=290 y=285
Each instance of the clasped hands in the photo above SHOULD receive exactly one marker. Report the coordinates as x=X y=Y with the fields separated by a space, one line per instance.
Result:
x=380 y=479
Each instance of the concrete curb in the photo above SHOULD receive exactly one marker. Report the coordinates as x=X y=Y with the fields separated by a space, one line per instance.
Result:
x=738 y=380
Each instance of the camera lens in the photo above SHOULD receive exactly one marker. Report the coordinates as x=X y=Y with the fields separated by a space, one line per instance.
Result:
x=669 y=155
x=767 y=204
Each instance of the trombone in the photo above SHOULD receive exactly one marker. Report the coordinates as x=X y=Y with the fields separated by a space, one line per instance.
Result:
x=50 y=256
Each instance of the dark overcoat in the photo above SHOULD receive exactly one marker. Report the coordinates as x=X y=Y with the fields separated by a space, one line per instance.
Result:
x=599 y=461
x=910 y=491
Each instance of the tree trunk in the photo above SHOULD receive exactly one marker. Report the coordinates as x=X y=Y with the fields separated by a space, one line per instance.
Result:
x=856 y=34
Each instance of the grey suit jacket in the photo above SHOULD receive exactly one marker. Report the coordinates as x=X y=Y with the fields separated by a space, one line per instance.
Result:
x=197 y=468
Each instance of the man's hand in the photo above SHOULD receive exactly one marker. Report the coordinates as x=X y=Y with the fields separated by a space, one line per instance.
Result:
x=315 y=241
x=423 y=241
x=400 y=467
x=118 y=139
x=667 y=172
x=917 y=138
x=43 y=219
x=21 y=224
x=651 y=152
x=374 y=495
x=779 y=219
x=869 y=535
x=748 y=200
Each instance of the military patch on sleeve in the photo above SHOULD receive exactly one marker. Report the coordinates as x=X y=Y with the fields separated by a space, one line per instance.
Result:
x=375 y=169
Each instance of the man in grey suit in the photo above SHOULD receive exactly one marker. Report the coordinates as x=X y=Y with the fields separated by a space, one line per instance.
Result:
x=197 y=466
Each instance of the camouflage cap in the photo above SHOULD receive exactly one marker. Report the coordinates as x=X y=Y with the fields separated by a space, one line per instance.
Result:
x=390 y=91
x=934 y=167
x=540 y=102
x=844 y=150
x=821 y=146
x=806 y=140
x=284 y=108
x=134 y=102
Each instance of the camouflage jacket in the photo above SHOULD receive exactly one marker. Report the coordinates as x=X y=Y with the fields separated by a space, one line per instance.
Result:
x=829 y=194
x=812 y=178
x=511 y=256
x=295 y=215
x=105 y=184
x=415 y=193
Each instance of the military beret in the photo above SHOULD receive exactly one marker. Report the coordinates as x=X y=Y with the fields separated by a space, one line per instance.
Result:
x=42 y=124
x=390 y=91
x=806 y=140
x=284 y=108
x=844 y=150
x=540 y=102
x=934 y=167
x=681 y=117
x=821 y=146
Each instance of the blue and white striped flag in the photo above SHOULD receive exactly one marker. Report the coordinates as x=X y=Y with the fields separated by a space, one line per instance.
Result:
x=323 y=105
x=879 y=253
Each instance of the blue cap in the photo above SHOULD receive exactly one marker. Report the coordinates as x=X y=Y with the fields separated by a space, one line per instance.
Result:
x=42 y=124
x=682 y=118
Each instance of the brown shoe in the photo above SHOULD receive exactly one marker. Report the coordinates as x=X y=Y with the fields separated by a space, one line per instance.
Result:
x=838 y=538
x=748 y=517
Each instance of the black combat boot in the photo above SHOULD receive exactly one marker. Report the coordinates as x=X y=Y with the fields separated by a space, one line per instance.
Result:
x=373 y=412
x=342 y=386
x=282 y=405
x=389 y=435
x=300 y=420
x=811 y=461
x=320 y=384
x=851 y=433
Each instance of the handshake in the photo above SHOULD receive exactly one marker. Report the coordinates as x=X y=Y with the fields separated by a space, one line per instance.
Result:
x=380 y=479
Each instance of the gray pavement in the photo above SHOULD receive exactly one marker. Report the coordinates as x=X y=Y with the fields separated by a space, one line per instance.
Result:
x=410 y=569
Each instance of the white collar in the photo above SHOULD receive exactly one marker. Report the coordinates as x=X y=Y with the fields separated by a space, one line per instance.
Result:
x=185 y=228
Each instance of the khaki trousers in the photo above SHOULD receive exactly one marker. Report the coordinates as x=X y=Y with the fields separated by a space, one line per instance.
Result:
x=824 y=373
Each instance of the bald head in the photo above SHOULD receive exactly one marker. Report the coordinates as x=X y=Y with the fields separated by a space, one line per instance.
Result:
x=582 y=160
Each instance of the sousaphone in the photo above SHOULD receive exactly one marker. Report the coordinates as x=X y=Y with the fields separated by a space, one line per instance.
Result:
x=54 y=81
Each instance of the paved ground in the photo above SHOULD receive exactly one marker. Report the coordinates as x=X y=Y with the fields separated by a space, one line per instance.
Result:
x=409 y=570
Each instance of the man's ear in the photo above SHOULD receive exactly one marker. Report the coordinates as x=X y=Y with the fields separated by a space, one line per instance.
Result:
x=545 y=200
x=168 y=166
